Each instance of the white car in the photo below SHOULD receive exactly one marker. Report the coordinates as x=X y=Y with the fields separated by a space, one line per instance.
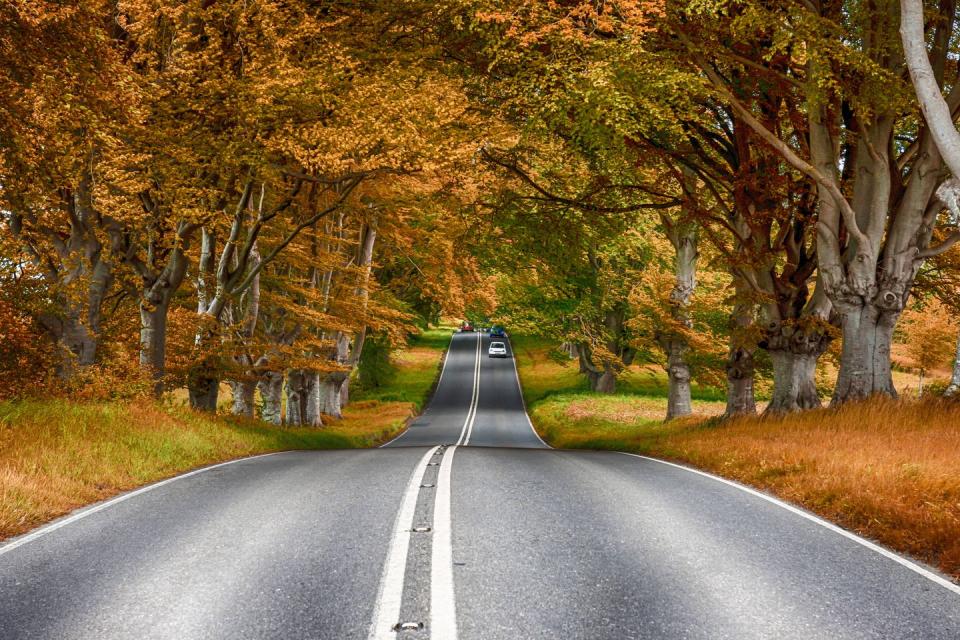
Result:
x=497 y=350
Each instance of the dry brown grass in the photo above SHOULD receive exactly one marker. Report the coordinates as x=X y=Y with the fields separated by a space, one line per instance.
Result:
x=56 y=456
x=888 y=470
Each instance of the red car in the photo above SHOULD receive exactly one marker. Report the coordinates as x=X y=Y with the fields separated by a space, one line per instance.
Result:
x=466 y=326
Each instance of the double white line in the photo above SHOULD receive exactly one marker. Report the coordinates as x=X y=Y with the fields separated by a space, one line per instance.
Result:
x=443 y=610
x=467 y=429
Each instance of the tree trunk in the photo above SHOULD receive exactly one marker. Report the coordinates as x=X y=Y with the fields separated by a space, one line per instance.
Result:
x=741 y=399
x=683 y=237
x=313 y=404
x=740 y=367
x=153 y=340
x=926 y=83
x=865 y=362
x=605 y=382
x=155 y=298
x=794 y=381
x=77 y=344
x=794 y=348
x=243 y=397
x=954 y=386
x=296 y=397
x=678 y=380
x=330 y=395
x=203 y=384
x=345 y=393
x=271 y=392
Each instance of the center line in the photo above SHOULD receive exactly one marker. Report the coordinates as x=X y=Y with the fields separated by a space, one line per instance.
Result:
x=387 y=611
x=443 y=609
x=467 y=429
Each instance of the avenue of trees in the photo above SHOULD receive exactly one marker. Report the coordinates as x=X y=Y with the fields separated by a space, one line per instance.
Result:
x=197 y=192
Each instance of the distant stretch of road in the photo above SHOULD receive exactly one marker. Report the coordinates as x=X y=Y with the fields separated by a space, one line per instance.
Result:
x=466 y=526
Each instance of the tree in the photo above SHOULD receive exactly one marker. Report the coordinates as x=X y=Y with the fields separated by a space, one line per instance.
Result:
x=875 y=166
x=64 y=106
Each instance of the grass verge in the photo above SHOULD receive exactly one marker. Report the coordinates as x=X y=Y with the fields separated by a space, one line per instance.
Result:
x=57 y=455
x=888 y=470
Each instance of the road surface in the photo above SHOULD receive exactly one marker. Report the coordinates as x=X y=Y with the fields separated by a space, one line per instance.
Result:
x=467 y=526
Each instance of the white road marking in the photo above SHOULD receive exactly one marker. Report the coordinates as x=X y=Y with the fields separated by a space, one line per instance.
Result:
x=387 y=609
x=909 y=564
x=443 y=609
x=42 y=531
x=516 y=374
x=467 y=429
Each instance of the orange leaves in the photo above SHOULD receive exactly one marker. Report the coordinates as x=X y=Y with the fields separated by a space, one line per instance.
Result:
x=535 y=23
x=930 y=335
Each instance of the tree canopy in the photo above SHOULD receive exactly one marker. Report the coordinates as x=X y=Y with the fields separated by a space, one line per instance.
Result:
x=221 y=191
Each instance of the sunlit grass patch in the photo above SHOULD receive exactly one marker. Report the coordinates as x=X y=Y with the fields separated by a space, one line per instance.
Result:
x=417 y=368
x=542 y=373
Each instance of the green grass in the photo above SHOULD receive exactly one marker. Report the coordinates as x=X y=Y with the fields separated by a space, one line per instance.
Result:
x=543 y=376
x=417 y=370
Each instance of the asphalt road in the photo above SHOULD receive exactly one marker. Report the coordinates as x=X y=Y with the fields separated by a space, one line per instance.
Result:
x=467 y=526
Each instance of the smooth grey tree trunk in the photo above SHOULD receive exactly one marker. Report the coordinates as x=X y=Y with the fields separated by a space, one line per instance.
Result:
x=865 y=361
x=158 y=290
x=794 y=381
x=296 y=397
x=679 y=403
x=741 y=396
x=936 y=111
x=243 y=397
x=330 y=399
x=312 y=406
x=683 y=237
x=153 y=330
x=271 y=394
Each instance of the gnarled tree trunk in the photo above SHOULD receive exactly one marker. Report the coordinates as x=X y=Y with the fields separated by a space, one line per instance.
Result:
x=683 y=237
x=865 y=362
x=330 y=399
x=271 y=393
x=243 y=394
x=314 y=404
x=77 y=343
x=602 y=378
x=794 y=385
x=741 y=397
x=794 y=352
x=678 y=381
x=296 y=397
